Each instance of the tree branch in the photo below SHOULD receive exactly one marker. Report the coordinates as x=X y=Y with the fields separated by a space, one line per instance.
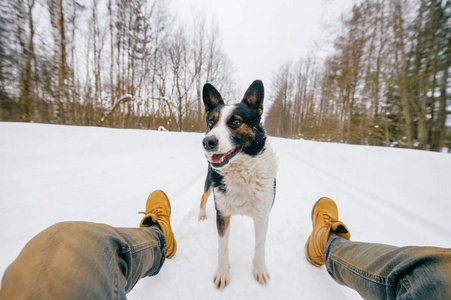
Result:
x=123 y=99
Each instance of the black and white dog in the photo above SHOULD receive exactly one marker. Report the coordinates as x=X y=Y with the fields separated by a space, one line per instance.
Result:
x=241 y=172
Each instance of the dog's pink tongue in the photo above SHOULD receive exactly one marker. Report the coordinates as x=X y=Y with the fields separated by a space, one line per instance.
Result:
x=217 y=158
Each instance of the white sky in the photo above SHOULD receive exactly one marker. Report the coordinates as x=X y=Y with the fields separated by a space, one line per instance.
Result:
x=261 y=35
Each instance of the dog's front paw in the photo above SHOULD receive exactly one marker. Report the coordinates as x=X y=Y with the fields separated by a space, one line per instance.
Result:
x=261 y=274
x=202 y=216
x=221 y=279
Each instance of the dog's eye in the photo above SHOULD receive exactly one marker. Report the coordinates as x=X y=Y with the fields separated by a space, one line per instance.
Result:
x=236 y=123
x=211 y=123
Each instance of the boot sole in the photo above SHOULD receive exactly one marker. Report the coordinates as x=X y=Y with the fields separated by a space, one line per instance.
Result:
x=307 y=256
x=174 y=250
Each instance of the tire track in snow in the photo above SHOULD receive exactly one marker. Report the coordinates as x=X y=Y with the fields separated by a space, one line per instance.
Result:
x=388 y=207
x=199 y=177
x=187 y=212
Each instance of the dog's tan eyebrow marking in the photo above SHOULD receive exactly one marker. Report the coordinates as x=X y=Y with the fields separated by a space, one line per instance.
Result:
x=215 y=118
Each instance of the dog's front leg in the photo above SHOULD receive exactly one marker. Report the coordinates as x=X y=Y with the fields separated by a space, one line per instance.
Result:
x=260 y=271
x=203 y=202
x=222 y=275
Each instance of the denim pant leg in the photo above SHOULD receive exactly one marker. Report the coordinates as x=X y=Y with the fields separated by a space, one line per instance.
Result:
x=80 y=260
x=378 y=271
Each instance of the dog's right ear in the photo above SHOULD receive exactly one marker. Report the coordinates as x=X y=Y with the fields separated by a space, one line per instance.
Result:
x=211 y=97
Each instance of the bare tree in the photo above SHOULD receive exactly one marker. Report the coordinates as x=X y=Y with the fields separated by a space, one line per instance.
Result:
x=57 y=21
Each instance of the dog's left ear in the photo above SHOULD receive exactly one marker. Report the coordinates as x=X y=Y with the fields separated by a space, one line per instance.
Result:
x=254 y=96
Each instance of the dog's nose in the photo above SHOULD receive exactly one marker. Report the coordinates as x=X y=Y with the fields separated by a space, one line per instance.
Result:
x=210 y=143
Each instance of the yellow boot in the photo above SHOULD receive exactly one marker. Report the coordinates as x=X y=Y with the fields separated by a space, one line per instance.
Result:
x=325 y=220
x=158 y=211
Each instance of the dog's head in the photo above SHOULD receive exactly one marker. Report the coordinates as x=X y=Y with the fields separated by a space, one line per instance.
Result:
x=233 y=130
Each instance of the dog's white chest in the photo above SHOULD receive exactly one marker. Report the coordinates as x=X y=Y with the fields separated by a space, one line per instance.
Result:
x=249 y=183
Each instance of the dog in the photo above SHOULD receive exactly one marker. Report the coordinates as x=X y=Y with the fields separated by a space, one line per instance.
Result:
x=241 y=174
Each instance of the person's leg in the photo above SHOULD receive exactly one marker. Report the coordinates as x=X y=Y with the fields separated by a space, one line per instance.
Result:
x=79 y=260
x=378 y=271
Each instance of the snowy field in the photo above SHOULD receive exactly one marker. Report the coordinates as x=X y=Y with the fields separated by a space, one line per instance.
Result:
x=52 y=173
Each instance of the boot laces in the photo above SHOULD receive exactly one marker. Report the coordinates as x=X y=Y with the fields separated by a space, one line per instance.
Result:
x=154 y=213
x=328 y=220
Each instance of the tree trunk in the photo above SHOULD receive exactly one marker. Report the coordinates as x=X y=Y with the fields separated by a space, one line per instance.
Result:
x=440 y=127
x=26 y=93
x=110 y=11
x=57 y=20
x=403 y=74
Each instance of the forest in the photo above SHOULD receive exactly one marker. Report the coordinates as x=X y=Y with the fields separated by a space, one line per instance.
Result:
x=113 y=63
x=386 y=82
x=131 y=64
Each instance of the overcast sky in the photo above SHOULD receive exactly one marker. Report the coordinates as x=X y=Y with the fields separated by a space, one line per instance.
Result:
x=261 y=35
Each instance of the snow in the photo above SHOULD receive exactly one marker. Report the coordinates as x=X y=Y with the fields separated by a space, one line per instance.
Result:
x=52 y=173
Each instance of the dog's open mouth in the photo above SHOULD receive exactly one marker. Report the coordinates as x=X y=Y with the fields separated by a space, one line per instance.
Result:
x=219 y=160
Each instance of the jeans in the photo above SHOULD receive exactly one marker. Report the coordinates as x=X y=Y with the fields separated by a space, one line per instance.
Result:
x=379 y=271
x=80 y=260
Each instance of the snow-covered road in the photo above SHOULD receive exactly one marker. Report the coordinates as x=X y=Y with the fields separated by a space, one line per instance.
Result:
x=52 y=173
